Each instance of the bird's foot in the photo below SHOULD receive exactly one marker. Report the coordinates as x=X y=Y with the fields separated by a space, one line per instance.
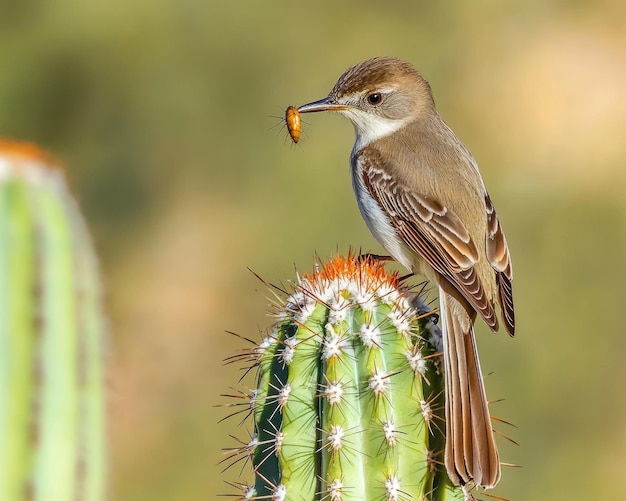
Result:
x=373 y=257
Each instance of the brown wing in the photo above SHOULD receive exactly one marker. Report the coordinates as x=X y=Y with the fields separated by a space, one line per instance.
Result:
x=499 y=258
x=431 y=230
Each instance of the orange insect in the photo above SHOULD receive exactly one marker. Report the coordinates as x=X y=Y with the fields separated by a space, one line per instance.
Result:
x=294 y=125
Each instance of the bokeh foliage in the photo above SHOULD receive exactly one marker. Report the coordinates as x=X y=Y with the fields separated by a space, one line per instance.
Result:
x=168 y=117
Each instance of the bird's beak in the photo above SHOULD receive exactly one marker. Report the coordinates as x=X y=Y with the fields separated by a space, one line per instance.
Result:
x=325 y=104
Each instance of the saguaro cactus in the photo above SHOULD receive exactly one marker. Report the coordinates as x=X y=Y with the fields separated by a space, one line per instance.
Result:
x=51 y=390
x=349 y=397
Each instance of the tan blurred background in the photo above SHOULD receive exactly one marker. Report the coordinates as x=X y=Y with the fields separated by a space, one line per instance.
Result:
x=167 y=114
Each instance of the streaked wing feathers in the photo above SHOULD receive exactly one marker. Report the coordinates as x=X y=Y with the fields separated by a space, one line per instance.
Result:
x=433 y=232
x=500 y=260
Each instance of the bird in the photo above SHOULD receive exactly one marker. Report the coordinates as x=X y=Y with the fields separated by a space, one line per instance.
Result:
x=420 y=192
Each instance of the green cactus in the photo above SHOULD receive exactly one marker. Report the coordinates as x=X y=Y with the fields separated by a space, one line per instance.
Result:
x=349 y=396
x=51 y=335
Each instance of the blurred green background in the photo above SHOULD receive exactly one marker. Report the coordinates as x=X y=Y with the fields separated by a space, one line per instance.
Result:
x=168 y=116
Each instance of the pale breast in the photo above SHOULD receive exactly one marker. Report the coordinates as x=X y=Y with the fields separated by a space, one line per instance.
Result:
x=378 y=222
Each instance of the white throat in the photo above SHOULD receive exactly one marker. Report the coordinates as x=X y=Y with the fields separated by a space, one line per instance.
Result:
x=370 y=127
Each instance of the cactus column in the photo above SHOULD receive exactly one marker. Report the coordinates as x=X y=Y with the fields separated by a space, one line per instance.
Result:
x=51 y=330
x=349 y=402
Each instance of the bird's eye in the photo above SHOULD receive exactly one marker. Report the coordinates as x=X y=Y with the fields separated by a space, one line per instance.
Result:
x=375 y=98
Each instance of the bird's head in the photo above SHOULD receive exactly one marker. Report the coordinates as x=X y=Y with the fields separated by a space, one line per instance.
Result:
x=379 y=96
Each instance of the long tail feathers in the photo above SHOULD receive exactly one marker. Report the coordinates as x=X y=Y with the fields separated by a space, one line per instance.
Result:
x=471 y=454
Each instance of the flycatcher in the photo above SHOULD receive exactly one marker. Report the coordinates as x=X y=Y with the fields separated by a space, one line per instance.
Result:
x=421 y=195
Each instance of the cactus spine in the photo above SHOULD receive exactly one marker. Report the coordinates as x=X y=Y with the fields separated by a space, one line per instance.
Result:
x=349 y=396
x=51 y=329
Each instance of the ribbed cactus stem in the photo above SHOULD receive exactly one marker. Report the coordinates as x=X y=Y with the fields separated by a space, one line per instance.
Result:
x=51 y=329
x=349 y=402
